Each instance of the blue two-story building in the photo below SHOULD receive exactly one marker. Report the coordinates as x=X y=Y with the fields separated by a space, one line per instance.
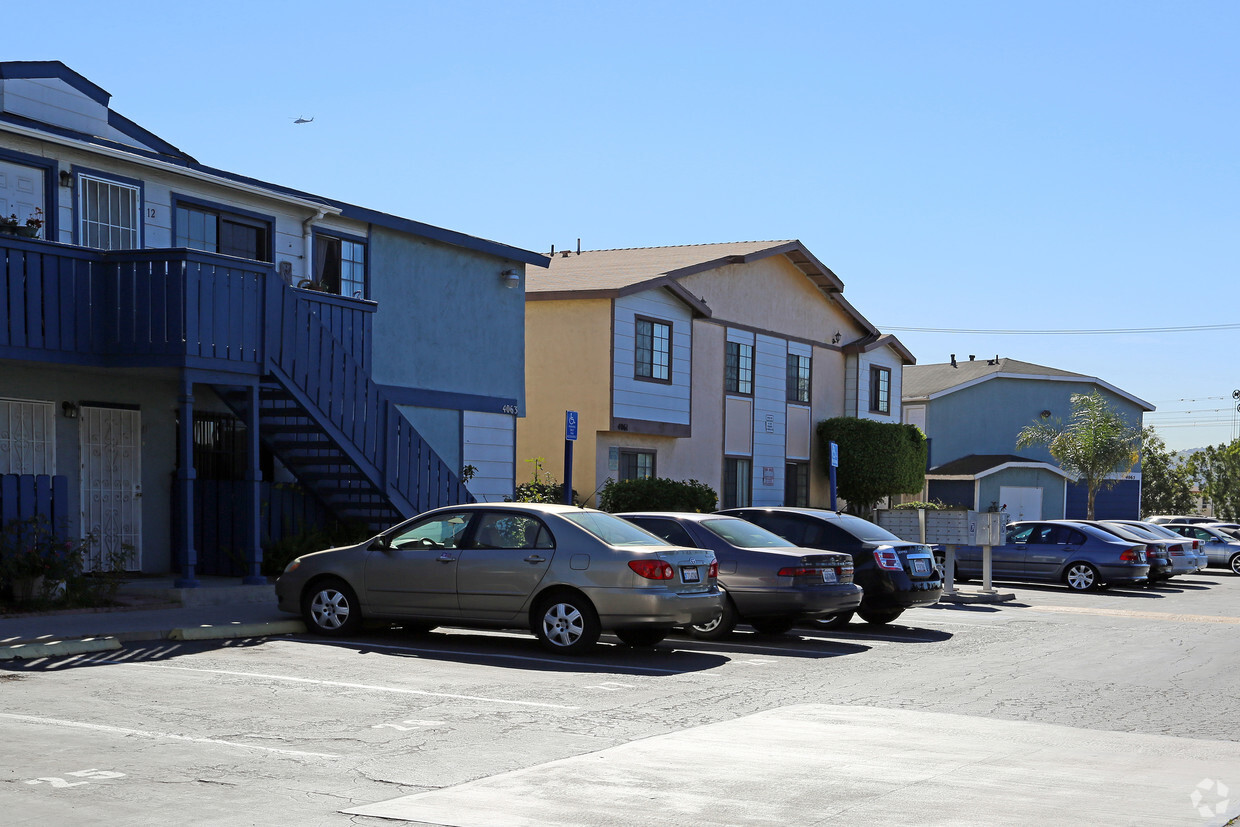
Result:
x=199 y=361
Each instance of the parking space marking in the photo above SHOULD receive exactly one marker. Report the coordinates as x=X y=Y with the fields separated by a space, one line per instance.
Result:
x=409 y=726
x=345 y=685
x=1176 y=618
x=171 y=736
x=610 y=686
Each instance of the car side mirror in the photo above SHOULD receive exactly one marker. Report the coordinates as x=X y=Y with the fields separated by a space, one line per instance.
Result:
x=379 y=544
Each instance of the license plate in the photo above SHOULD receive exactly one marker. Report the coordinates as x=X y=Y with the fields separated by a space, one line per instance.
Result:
x=921 y=566
x=828 y=575
x=690 y=574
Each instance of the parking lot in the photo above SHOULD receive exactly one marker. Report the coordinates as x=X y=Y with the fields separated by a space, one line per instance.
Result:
x=1114 y=706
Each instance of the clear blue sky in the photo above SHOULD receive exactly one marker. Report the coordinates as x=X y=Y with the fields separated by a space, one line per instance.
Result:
x=961 y=165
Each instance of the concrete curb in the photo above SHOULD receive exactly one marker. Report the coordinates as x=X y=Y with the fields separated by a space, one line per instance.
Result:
x=278 y=627
x=58 y=648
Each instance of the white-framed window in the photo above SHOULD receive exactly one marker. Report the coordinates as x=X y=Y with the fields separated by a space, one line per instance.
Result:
x=27 y=437
x=108 y=214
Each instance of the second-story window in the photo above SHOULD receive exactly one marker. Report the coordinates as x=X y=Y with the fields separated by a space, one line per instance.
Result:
x=216 y=231
x=880 y=390
x=652 y=355
x=109 y=212
x=340 y=263
x=738 y=368
x=798 y=378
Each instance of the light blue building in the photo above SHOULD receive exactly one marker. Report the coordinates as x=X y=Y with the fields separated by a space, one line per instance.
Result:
x=193 y=361
x=972 y=411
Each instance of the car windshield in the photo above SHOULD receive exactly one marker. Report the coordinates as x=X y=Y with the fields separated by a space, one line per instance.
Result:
x=1160 y=532
x=865 y=530
x=743 y=534
x=612 y=530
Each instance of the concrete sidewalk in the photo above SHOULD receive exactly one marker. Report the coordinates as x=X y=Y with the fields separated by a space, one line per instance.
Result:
x=152 y=609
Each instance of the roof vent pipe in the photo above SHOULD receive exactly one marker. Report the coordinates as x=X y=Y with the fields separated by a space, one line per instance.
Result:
x=579 y=246
x=953 y=360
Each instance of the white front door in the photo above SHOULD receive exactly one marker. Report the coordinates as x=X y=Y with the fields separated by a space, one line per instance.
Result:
x=111 y=441
x=21 y=190
x=1021 y=503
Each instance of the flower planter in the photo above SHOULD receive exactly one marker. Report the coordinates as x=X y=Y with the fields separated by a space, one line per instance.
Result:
x=27 y=232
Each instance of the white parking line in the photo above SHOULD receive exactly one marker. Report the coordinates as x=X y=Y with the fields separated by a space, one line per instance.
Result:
x=166 y=735
x=344 y=685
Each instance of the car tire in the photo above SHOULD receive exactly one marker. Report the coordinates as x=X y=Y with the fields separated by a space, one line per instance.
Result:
x=835 y=621
x=641 y=637
x=330 y=607
x=879 y=617
x=566 y=623
x=721 y=626
x=1234 y=562
x=1081 y=577
x=773 y=625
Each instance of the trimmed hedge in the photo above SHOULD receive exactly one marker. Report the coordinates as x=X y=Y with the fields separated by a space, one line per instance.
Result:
x=877 y=459
x=657 y=494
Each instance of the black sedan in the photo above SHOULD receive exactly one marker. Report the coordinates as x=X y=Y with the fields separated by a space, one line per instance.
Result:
x=770 y=584
x=895 y=574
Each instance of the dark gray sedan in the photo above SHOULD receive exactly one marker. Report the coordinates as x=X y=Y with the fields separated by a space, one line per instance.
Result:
x=564 y=573
x=770 y=584
x=1079 y=555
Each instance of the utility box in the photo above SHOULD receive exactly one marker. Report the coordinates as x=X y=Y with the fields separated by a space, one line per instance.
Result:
x=986 y=528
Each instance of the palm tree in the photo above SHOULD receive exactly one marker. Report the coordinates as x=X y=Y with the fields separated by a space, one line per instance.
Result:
x=1095 y=443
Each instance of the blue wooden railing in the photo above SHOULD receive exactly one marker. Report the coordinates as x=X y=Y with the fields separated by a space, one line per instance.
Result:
x=22 y=496
x=184 y=308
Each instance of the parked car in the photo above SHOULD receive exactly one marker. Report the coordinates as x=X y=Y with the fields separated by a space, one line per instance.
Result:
x=1185 y=559
x=1221 y=548
x=895 y=574
x=1060 y=551
x=565 y=573
x=770 y=584
x=1227 y=528
x=1157 y=551
x=1163 y=519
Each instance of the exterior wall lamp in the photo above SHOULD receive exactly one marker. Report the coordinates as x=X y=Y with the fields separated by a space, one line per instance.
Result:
x=511 y=278
x=69 y=409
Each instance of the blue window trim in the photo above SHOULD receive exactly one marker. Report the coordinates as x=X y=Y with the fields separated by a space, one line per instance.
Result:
x=50 y=188
x=179 y=199
x=112 y=177
x=356 y=239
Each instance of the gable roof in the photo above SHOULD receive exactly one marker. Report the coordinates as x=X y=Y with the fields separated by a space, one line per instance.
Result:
x=615 y=273
x=976 y=466
x=925 y=382
x=126 y=139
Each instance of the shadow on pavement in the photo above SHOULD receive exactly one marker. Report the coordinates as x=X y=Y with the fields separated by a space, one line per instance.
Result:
x=147 y=652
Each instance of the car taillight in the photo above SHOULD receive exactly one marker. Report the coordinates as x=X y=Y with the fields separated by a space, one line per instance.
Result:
x=1136 y=554
x=1177 y=551
x=713 y=572
x=800 y=571
x=653 y=569
x=887 y=558
x=1196 y=545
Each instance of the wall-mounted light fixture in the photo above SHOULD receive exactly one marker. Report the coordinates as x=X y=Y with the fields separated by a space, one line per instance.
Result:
x=835 y=340
x=1045 y=414
x=69 y=409
x=66 y=178
x=512 y=278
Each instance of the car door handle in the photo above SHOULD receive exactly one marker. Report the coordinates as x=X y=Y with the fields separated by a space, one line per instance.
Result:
x=446 y=558
x=535 y=558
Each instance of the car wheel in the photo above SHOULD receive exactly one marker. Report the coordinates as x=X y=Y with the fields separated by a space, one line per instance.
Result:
x=330 y=607
x=1234 y=562
x=879 y=617
x=566 y=623
x=835 y=621
x=1081 y=577
x=721 y=625
x=641 y=637
x=773 y=625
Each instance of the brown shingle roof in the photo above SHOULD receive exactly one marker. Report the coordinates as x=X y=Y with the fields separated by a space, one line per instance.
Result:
x=923 y=381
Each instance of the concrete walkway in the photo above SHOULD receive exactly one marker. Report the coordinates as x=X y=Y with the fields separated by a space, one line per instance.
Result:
x=152 y=610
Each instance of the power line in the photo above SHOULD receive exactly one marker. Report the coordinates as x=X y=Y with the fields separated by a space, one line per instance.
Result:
x=1112 y=331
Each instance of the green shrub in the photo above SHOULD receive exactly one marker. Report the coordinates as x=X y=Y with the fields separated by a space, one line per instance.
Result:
x=543 y=488
x=657 y=494
x=877 y=459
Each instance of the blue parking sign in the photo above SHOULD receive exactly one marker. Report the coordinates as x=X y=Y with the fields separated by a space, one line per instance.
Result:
x=570 y=425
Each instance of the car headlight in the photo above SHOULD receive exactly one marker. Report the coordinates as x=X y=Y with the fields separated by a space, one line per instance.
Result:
x=292 y=566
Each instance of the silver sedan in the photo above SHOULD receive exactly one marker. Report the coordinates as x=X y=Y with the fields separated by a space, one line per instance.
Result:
x=565 y=573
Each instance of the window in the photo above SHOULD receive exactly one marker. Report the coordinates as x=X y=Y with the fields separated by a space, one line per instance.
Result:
x=216 y=231
x=511 y=531
x=340 y=263
x=738 y=368
x=109 y=214
x=798 y=378
x=636 y=465
x=652 y=357
x=441 y=531
x=796 y=484
x=880 y=390
x=27 y=437
x=737 y=482
x=669 y=530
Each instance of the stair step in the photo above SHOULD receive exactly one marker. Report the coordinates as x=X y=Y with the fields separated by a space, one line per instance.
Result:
x=316 y=476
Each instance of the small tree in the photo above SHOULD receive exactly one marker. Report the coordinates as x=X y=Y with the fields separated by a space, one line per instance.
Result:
x=1218 y=468
x=1166 y=483
x=1095 y=443
x=877 y=459
x=542 y=487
